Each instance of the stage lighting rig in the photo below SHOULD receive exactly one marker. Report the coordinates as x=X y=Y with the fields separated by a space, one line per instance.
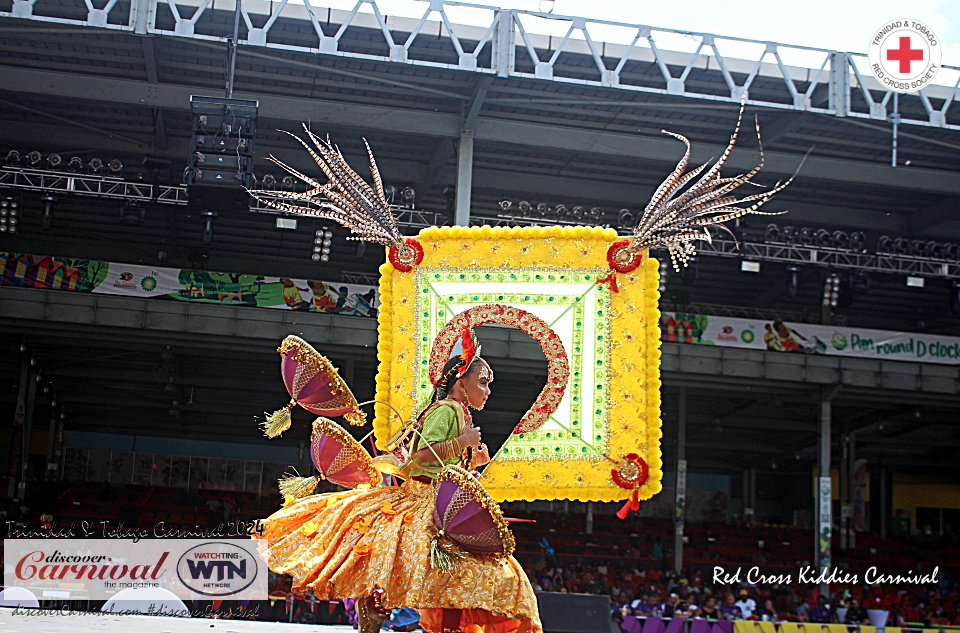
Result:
x=115 y=167
x=95 y=165
x=9 y=214
x=13 y=158
x=75 y=165
x=54 y=161
x=34 y=158
x=505 y=205
x=323 y=241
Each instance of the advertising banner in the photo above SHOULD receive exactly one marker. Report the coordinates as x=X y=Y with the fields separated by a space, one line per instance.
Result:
x=100 y=569
x=804 y=338
x=194 y=286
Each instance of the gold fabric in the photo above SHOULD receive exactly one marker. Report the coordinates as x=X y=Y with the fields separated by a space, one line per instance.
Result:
x=346 y=544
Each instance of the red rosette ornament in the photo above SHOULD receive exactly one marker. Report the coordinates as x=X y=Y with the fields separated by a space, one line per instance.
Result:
x=405 y=257
x=621 y=258
x=631 y=473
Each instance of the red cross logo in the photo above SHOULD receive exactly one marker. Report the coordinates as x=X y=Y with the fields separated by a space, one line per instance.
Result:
x=905 y=55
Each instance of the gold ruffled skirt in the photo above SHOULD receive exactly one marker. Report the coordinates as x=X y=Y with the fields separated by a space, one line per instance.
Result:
x=346 y=544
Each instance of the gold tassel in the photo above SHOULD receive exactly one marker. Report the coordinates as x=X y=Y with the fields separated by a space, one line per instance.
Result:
x=278 y=421
x=356 y=418
x=443 y=556
x=298 y=487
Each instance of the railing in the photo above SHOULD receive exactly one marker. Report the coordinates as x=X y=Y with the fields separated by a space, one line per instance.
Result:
x=579 y=50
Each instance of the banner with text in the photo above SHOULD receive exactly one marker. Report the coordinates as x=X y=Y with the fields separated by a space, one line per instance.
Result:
x=194 y=286
x=803 y=338
x=101 y=569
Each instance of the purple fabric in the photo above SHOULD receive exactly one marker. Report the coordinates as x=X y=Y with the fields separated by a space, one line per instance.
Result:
x=675 y=626
x=722 y=626
x=631 y=624
x=317 y=391
x=653 y=625
x=470 y=520
x=324 y=450
x=699 y=626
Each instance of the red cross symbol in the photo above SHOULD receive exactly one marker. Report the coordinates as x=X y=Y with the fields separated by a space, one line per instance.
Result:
x=905 y=54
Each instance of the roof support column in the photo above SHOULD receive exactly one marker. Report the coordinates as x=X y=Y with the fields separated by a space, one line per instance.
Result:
x=681 y=483
x=824 y=532
x=464 y=178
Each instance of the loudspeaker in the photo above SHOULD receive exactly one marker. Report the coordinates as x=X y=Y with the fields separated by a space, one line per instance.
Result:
x=574 y=613
x=220 y=168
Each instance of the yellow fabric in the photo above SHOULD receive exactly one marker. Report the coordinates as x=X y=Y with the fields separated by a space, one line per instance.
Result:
x=891 y=629
x=345 y=544
x=810 y=627
x=631 y=401
x=743 y=626
x=789 y=627
x=837 y=628
x=439 y=425
x=767 y=627
x=865 y=628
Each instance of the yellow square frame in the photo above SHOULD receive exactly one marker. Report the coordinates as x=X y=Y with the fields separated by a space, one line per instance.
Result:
x=630 y=381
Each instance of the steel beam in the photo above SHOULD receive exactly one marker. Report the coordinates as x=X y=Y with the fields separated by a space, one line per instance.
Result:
x=443 y=125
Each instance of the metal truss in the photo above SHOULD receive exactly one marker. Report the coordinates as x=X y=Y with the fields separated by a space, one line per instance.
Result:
x=78 y=184
x=832 y=258
x=416 y=219
x=365 y=279
x=850 y=89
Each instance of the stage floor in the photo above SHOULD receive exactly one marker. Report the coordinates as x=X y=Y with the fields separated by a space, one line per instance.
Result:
x=47 y=622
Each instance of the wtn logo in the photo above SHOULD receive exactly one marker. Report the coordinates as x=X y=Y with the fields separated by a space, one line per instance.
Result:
x=224 y=569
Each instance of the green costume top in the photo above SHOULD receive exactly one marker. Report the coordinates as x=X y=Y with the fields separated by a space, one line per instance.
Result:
x=442 y=421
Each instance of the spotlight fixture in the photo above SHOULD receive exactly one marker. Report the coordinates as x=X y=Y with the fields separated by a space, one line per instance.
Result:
x=885 y=244
x=8 y=214
x=269 y=181
x=95 y=165
x=13 y=157
x=542 y=209
x=287 y=182
x=841 y=240
x=561 y=210
x=54 y=160
x=806 y=237
x=505 y=205
x=915 y=282
x=933 y=250
x=625 y=218
x=595 y=213
x=408 y=194
x=789 y=234
x=822 y=238
x=578 y=212
x=831 y=290
x=917 y=248
x=772 y=233
x=390 y=191
x=322 y=243
x=75 y=164
x=857 y=241
x=524 y=206
x=749 y=266
x=901 y=246
x=34 y=158
x=951 y=251
x=115 y=166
